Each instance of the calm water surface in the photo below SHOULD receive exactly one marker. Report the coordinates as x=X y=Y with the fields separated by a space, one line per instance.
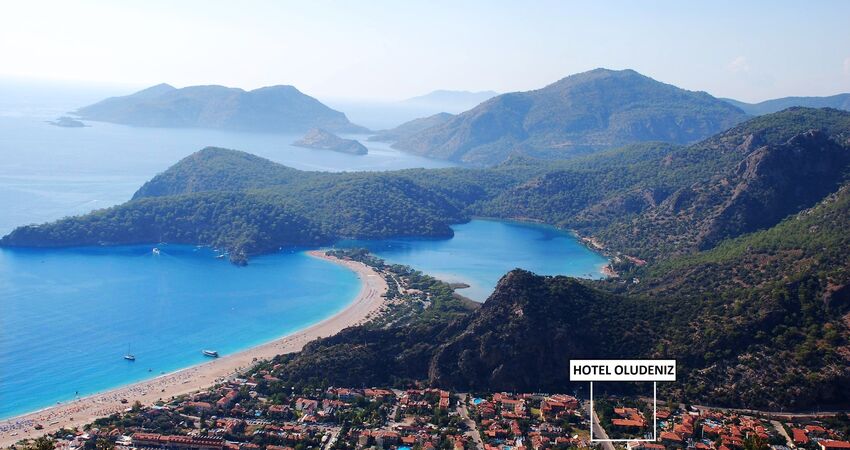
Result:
x=68 y=316
x=484 y=250
x=48 y=172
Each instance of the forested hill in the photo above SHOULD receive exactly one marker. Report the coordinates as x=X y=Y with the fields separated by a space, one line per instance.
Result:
x=654 y=201
x=268 y=109
x=649 y=200
x=586 y=112
x=746 y=282
x=762 y=321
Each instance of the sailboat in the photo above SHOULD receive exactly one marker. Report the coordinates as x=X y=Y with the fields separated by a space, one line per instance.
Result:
x=129 y=356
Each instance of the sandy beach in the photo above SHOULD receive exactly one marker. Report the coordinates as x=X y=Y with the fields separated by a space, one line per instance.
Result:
x=81 y=411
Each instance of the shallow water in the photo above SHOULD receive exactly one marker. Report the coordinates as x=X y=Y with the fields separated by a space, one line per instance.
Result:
x=70 y=315
x=482 y=251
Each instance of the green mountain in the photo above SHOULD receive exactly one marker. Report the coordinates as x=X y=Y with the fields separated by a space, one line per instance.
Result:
x=746 y=281
x=762 y=321
x=648 y=200
x=250 y=205
x=582 y=113
x=447 y=100
x=268 y=109
x=410 y=128
x=840 y=101
x=655 y=200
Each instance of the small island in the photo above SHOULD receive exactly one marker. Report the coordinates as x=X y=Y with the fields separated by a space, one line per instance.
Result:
x=67 y=122
x=318 y=138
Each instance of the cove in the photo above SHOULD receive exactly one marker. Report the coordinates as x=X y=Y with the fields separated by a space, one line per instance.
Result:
x=483 y=250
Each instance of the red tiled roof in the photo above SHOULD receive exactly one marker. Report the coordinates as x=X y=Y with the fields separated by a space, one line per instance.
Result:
x=626 y=423
x=670 y=436
x=799 y=436
x=649 y=446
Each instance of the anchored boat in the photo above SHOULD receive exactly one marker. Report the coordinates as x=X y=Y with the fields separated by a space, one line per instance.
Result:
x=129 y=356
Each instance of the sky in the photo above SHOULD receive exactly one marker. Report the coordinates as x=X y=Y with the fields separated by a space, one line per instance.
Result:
x=387 y=50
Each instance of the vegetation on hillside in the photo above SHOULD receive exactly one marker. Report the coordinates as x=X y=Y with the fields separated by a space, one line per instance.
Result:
x=746 y=283
x=581 y=113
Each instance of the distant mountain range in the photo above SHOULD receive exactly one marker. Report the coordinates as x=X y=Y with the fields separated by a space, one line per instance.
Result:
x=455 y=100
x=269 y=109
x=389 y=114
x=581 y=113
x=410 y=128
x=840 y=101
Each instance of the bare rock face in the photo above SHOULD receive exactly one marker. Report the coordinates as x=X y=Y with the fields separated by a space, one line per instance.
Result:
x=318 y=138
x=775 y=181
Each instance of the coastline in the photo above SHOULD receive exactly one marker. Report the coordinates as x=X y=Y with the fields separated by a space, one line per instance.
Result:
x=84 y=410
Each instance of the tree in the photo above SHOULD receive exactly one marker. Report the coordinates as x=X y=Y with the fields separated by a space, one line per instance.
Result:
x=755 y=442
x=104 y=444
x=41 y=443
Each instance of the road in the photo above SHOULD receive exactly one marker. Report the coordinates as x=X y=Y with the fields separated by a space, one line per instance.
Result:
x=755 y=412
x=334 y=436
x=597 y=430
x=781 y=430
x=472 y=431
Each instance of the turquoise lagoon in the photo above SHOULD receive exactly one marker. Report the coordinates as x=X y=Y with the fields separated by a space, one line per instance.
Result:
x=482 y=251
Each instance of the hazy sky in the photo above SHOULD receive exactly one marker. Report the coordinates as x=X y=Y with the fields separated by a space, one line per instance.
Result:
x=749 y=50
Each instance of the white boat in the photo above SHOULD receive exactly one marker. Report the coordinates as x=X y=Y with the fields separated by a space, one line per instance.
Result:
x=155 y=251
x=210 y=353
x=129 y=356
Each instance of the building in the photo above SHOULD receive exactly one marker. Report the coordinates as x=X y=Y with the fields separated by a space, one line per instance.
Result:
x=165 y=442
x=827 y=444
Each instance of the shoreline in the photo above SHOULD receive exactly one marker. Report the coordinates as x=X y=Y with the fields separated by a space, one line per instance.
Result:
x=80 y=411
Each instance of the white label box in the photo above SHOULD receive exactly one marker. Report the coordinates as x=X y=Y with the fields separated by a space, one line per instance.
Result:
x=622 y=370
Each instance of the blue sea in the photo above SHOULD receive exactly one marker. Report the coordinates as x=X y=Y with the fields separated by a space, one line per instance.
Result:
x=70 y=315
x=67 y=316
x=49 y=172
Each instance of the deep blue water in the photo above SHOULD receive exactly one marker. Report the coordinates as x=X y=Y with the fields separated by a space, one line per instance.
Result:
x=484 y=250
x=67 y=316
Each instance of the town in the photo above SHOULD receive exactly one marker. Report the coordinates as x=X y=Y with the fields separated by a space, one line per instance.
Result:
x=254 y=413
